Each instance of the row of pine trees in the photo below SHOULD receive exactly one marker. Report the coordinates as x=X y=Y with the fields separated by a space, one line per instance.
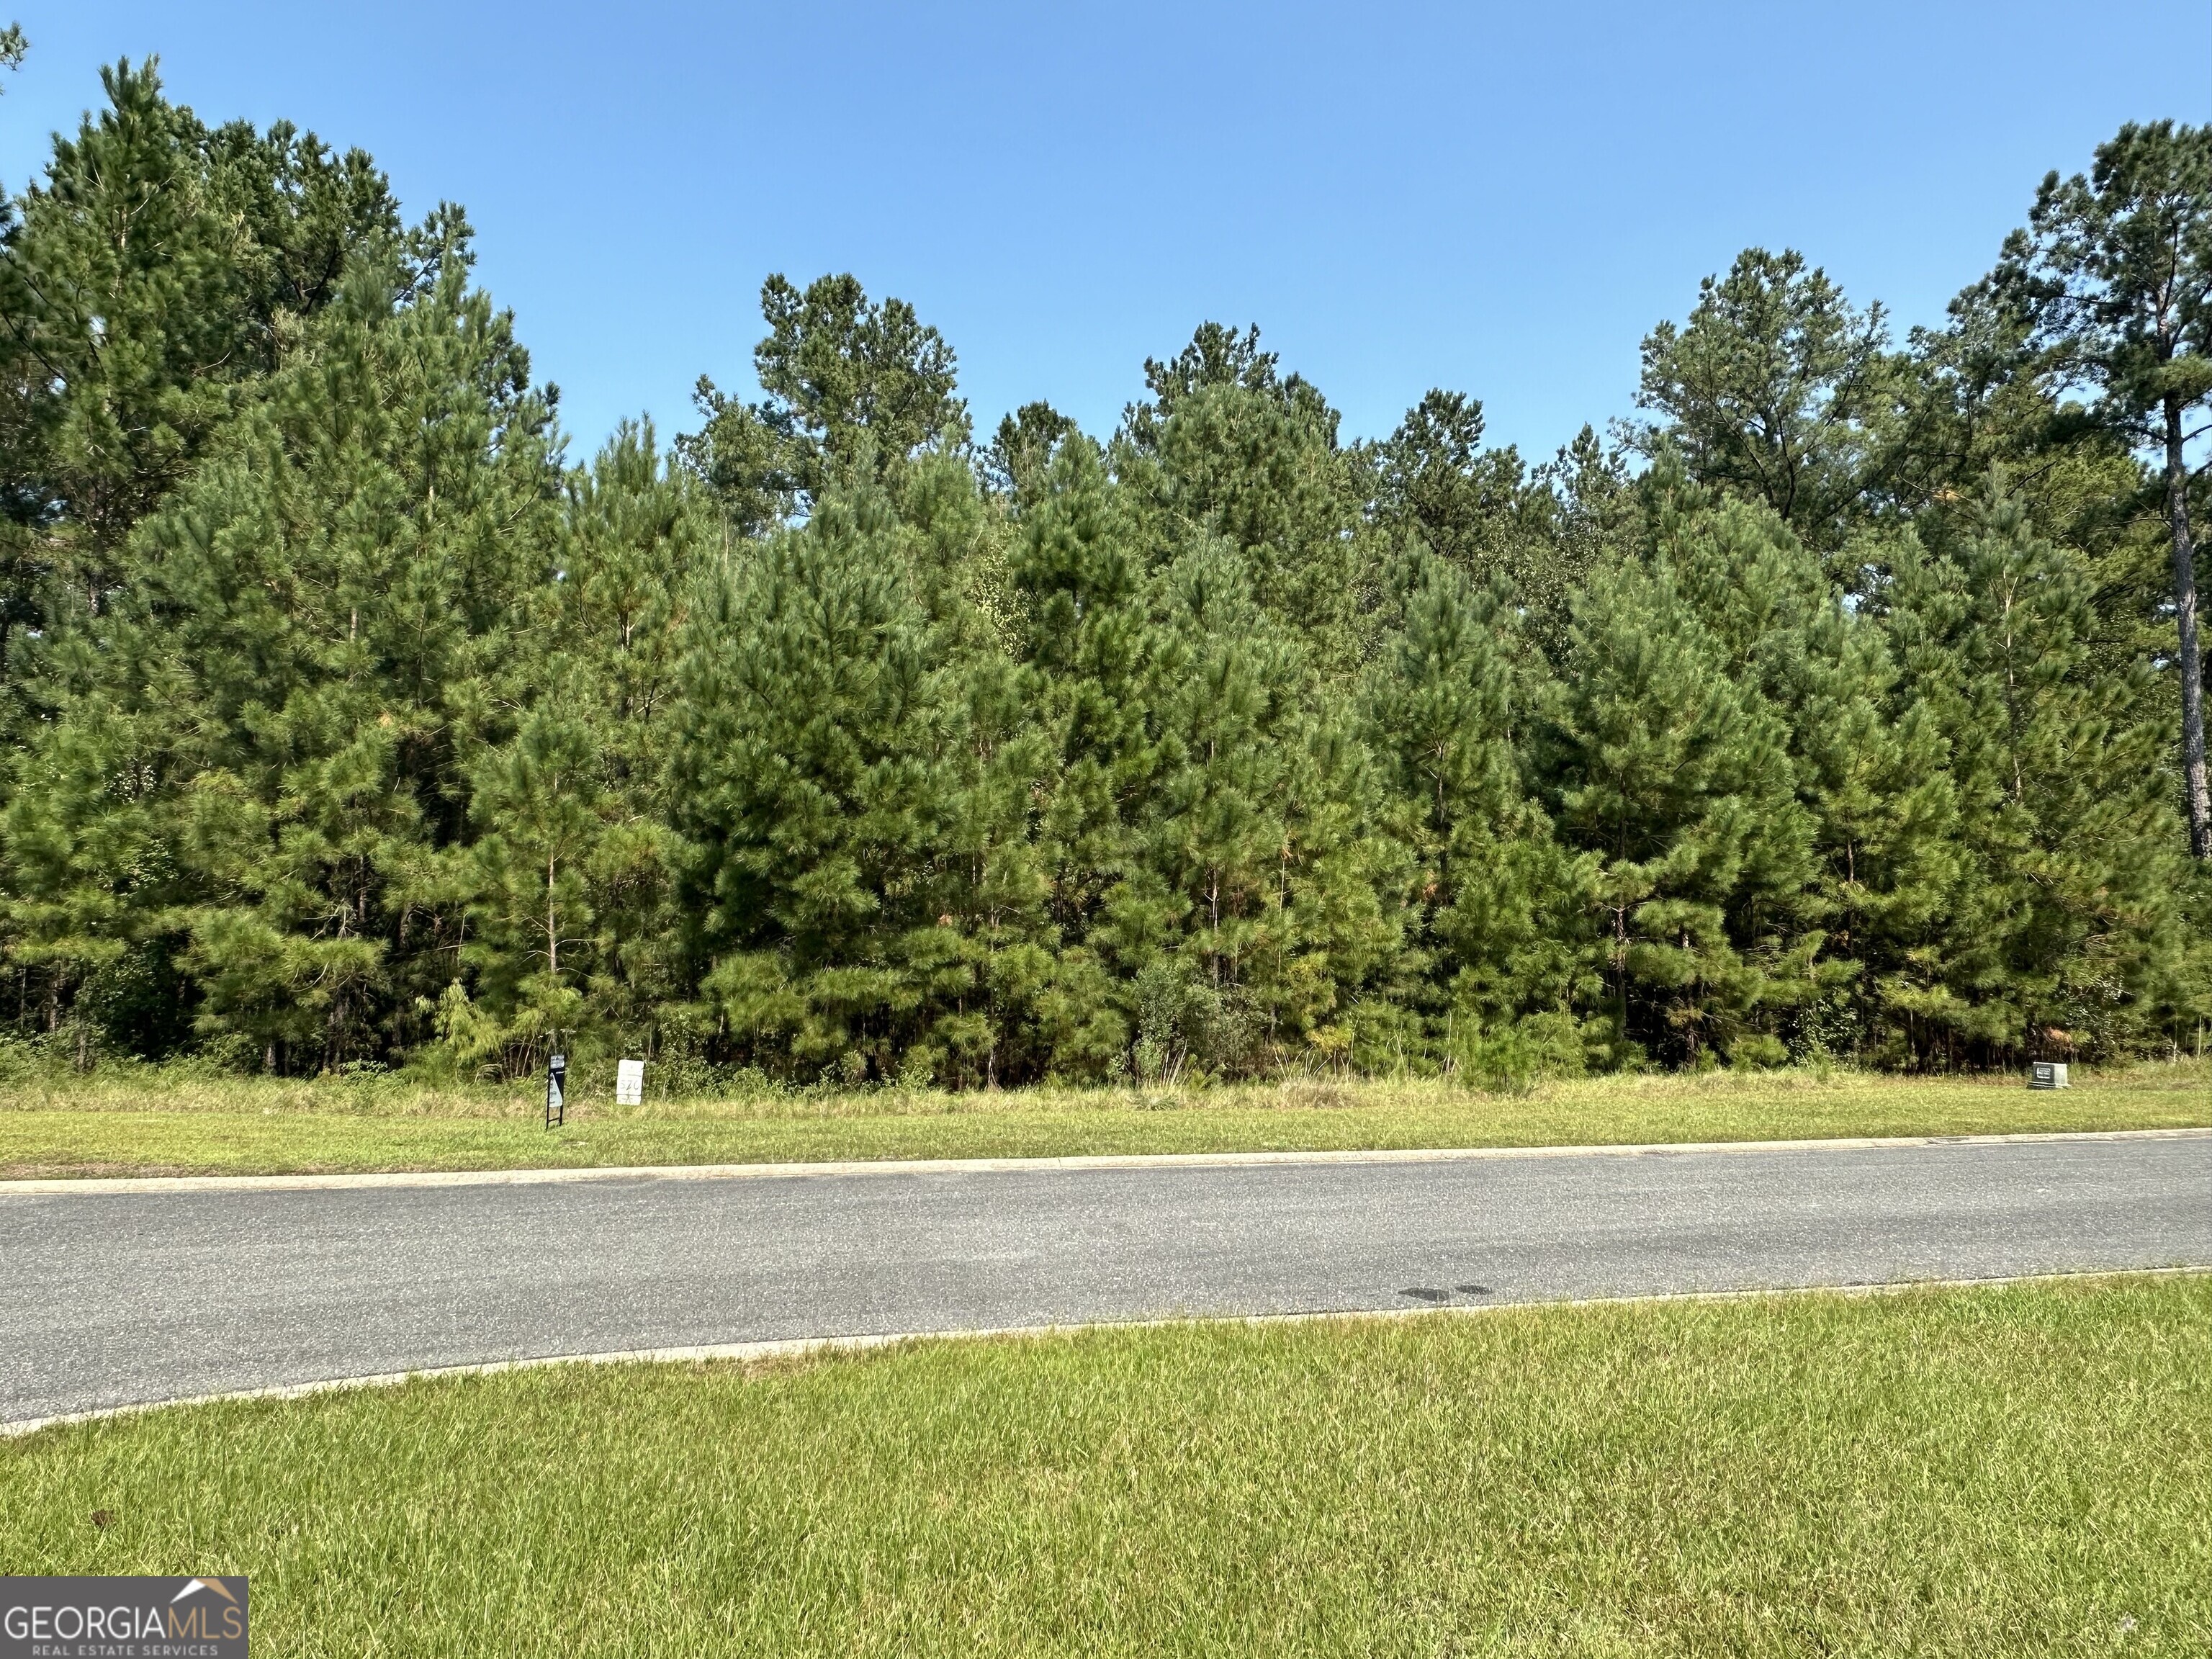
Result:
x=1832 y=707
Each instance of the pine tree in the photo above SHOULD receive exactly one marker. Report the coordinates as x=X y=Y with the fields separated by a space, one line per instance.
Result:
x=1481 y=509
x=1087 y=646
x=155 y=271
x=1499 y=933
x=2066 y=934
x=1779 y=390
x=1254 y=886
x=1228 y=448
x=300 y=668
x=854 y=391
x=572 y=919
x=1019 y=459
x=2115 y=270
x=1678 y=776
x=857 y=794
x=1872 y=774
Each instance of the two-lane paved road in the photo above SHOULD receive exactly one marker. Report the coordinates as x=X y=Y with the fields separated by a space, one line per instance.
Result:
x=112 y=1298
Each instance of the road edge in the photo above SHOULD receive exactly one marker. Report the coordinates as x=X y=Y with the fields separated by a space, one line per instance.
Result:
x=65 y=1186
x=800 y=1347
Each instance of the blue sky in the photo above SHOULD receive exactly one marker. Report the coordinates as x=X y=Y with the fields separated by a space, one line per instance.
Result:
x=1497 y=198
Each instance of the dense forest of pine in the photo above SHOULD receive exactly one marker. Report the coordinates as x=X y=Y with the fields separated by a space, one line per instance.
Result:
x=1845 y=702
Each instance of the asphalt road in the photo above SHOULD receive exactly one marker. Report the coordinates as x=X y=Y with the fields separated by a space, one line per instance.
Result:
x=109 y=1298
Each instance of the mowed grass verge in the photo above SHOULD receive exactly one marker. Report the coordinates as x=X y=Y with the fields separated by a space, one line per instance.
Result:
x=146 y=1121
x=2022 y=1469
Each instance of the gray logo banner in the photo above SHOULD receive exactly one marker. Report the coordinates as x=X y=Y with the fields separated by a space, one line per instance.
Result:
x=123 y=1618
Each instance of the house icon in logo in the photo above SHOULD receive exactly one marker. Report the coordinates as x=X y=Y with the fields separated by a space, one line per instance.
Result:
x=215 y=1585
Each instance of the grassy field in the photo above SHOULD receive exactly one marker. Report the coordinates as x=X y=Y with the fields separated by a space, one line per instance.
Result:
x=2006 y=1470
x=153 y=1123
x=144 y=1121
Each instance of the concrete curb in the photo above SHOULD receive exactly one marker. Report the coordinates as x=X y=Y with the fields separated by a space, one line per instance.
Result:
x=803 y=1346
x=65 y=1187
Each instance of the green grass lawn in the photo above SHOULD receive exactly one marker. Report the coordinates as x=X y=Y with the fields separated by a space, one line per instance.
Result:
x=2005 y=1470
x=147 y=1121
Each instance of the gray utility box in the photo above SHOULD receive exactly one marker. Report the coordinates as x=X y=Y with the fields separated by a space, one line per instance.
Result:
x=2048 y=1074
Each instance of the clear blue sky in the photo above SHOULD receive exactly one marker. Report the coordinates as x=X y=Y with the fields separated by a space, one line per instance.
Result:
x=1499 y=198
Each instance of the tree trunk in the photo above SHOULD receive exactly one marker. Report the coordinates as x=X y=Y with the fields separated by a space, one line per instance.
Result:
x=2192 y=661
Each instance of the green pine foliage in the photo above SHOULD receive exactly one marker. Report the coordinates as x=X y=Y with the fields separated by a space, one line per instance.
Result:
x=348 y=722
x=1498 y=912
x=1674 y=767
x=572 y=916
x=2068 y=924
x=320 y=633
x=157 y=270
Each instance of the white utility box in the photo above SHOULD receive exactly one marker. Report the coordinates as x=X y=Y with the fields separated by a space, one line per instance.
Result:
x=629 y=1082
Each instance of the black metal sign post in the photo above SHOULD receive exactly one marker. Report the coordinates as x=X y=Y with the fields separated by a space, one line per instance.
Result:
x=556 y=1096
